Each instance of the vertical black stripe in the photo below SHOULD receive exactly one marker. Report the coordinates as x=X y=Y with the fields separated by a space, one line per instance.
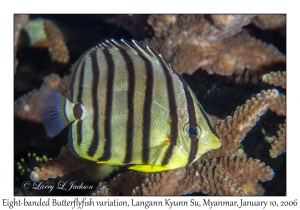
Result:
x=108 y=105
x=79 y=132
x=192 y=120
x=207 y=120
x=147 y=111
x=96 y=75
x=193 y=149
x=130 y=106
x=71 y=138
x=74 y=73
x=173 y=115
x=80 y=82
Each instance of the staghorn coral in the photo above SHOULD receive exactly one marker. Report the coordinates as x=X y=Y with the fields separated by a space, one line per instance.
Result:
x=275 y=78
x=216 y=177
x=233 y=129
x=272 y=22
x=216 y=180
x=56 y=45
x=190 y=42
x=278 y=142
x=27 y=106
x=64 y=163
x=19 y=22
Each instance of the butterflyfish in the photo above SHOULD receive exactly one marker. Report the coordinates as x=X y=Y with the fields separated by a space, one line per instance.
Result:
x=127 y=106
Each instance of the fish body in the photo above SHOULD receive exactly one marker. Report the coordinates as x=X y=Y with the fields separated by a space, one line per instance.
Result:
x=129 y=107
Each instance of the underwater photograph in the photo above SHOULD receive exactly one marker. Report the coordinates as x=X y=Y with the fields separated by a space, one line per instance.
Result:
x=138 y=104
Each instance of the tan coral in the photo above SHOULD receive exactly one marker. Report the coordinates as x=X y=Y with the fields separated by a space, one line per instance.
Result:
x=252 y=53
x=19 y=22
x=246 y=169
x=190 y=42
x=214 y=177
x=233 y=129
x=279 y=105
x=27 y=106
x=63 y=164
x=57 y=47
x=270 y=21
x=231 y=21
x=275 y=78
x=253 y=188
x=278 y=142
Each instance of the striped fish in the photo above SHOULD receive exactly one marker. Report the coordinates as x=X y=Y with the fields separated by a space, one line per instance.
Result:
x=129 y=107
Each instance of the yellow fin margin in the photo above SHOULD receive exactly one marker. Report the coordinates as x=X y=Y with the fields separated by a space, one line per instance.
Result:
x=149 y=168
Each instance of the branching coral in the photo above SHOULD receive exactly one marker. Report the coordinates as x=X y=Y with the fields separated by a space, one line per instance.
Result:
x=56 y=44
x=64 y=163
x=272 y=22
x=216 y=177
x=27 y=106
x=234 y=129
x=275 y=78
x=19 y=22
x=190 y=42
x=278 y=142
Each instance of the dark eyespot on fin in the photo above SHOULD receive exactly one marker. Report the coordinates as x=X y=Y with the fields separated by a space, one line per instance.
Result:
x=52 y=107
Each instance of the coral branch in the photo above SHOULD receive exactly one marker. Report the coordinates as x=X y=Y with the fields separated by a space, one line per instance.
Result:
x=275 y=78
x=56 y=44
x=278 y=142
x=63 y=164
x=19 y=22
x=279 y=105
x=251 y=53
x=27 y=106
x=216 y=177
x=190 y=42
x=246 y=169
x=193 y=41
x=233 y=129
x=271 y=22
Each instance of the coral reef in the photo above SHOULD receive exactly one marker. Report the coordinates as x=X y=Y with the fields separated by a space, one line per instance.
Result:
x=216 y=177
x=19 y=22
x=27 y=106
x=278 y=142
x=64 y=163
x=271 y=22
x=275 y=78
x=191 y=42
x=56 y=44
x=227 y=49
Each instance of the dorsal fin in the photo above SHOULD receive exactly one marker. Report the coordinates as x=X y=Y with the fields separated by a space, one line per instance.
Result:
x=136 y=48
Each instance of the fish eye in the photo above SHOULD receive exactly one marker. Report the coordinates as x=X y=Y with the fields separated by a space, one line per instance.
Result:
x=192 y=132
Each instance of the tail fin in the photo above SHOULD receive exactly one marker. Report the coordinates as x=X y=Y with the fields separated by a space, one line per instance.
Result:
x=55 y=110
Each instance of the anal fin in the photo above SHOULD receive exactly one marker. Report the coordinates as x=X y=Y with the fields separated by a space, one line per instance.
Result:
x=111 y=163
x=149 y=168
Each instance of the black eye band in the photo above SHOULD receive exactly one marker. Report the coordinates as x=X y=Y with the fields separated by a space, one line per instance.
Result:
x=192 y=132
